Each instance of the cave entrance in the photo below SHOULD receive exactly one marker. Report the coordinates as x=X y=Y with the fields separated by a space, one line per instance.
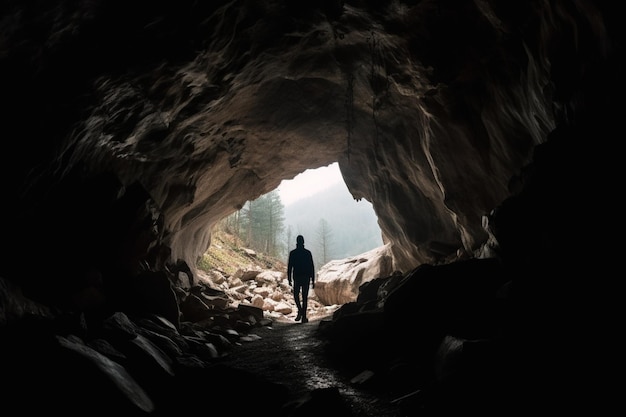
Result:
x=319 y=206
x=316 y=204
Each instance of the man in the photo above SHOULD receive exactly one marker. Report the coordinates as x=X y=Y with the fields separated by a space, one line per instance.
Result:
x=300 y=268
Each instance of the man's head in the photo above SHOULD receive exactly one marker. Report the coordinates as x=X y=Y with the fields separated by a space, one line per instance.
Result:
x=300 y=240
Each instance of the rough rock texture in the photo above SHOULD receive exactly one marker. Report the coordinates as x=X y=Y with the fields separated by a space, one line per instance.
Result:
x=429 y=107
x=476 y=129
x=339 y=280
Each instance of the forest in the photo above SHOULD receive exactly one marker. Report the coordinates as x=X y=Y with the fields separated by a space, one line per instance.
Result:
x=334 y=225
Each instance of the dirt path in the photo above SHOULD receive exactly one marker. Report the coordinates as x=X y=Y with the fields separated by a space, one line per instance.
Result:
x=291 y=354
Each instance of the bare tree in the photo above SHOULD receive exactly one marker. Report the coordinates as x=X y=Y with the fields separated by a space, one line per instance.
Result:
x=324 y=242
x=289 y=239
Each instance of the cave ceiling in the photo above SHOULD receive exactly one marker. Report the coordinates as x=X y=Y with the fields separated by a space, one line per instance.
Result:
x=431 y=109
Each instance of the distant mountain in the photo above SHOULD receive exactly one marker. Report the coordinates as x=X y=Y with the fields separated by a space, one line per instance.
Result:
x=353 y=224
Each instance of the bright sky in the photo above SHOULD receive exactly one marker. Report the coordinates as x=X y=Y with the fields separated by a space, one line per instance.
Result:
x=308 y=183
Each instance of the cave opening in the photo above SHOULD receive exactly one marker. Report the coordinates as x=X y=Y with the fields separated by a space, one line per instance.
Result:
x=315 y=203
x=318 y=204
x=342 y=233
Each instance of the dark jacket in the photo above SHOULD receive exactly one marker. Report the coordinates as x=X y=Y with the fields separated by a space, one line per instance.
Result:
x=300 y=265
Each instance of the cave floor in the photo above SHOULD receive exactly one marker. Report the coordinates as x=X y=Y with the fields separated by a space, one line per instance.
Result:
x=292 y=354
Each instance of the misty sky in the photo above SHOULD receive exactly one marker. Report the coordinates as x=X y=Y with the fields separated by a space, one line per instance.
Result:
x=308 y=183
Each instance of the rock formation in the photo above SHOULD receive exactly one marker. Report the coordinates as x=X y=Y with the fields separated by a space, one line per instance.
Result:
x=338 y=281
x=477 y=129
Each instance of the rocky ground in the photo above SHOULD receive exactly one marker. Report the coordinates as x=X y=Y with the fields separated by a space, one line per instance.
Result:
x=228 y=259
x=243 y=358
x=293 y=354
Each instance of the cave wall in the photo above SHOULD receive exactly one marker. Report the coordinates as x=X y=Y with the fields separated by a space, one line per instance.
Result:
x=127 y=125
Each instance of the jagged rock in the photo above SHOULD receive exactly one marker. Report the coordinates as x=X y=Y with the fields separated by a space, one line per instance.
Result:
x=250 y=252
x=270 y=278
x=338 y=281
x=14 y=305
x=123 y=385
x=211 y=277
x=284 y=308
x=195 y=309
x=421 y=134
x=248 y=274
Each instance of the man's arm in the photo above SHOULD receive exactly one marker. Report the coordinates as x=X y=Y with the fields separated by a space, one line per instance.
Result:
x=312 y=270
x=289 y=268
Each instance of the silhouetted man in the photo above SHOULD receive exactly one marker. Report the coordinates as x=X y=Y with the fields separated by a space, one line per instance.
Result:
x=300 y=267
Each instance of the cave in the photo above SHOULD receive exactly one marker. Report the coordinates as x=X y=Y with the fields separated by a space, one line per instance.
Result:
x=481 y=131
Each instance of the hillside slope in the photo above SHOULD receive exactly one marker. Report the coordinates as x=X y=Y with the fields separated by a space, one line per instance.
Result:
x=230 y=260
x=227 y=255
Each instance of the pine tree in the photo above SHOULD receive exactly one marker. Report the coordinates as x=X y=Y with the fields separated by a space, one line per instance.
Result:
x=263 y=221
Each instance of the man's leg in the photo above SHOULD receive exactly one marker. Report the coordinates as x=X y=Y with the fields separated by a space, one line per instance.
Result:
x=296 y=297
x=305 y=298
